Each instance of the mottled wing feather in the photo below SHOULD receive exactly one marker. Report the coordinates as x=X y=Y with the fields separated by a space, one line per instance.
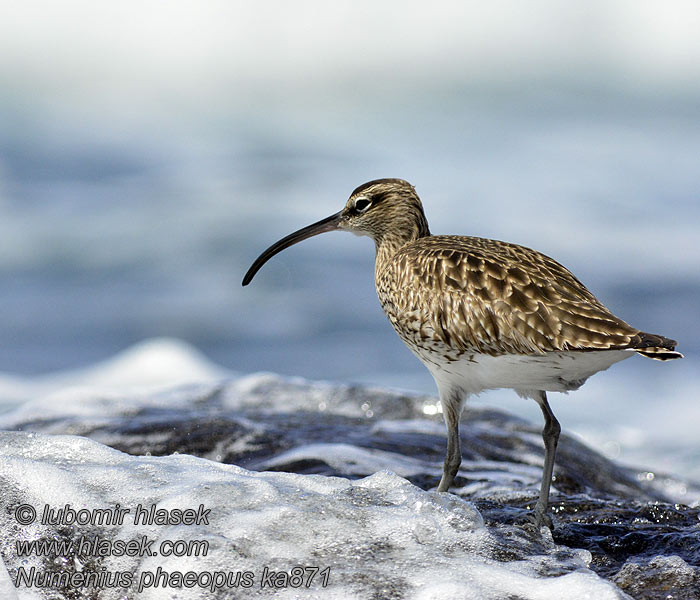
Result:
x=479 y=295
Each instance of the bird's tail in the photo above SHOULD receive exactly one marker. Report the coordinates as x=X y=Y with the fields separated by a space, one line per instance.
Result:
x=657 y=347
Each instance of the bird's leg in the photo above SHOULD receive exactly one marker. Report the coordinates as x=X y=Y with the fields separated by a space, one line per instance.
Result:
x=452 y=409
x=550 y=435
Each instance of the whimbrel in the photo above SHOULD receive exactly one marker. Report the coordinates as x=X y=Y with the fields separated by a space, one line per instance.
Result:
x=482 y=314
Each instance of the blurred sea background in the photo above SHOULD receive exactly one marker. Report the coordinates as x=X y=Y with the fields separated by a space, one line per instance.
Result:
x=149 y=151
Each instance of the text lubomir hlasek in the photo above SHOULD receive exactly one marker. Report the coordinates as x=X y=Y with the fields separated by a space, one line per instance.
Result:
x=115 y=516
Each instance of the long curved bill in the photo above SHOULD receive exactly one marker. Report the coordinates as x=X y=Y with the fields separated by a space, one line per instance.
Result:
x=327 y=224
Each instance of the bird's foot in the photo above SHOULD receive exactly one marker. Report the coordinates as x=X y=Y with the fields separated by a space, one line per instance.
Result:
x=541 y=518
x=445 y=482
x=443 y=488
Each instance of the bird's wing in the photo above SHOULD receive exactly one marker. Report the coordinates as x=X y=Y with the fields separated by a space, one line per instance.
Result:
x=481 y=295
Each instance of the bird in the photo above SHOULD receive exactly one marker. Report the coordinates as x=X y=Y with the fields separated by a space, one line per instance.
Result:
x=482 y=314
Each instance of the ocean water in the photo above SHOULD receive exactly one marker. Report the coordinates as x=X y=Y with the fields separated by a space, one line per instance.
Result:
x=412 y=538
x=141 y=173
x=287 y=473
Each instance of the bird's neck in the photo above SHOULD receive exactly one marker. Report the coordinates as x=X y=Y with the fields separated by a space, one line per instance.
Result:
x=389 y=242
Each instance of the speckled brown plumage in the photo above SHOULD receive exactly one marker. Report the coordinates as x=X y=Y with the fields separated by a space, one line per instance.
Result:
x=479 y=295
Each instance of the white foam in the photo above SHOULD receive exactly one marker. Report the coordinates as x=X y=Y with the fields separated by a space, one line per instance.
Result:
x=351 y=460
x=145 y=367
x=7 y=587
x=376 y=533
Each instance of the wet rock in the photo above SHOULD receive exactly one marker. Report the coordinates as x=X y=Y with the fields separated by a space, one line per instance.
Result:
x=640 y=532
x=659 y=578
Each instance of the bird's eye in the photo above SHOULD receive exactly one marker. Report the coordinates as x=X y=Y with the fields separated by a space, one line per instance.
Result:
x=362 y=204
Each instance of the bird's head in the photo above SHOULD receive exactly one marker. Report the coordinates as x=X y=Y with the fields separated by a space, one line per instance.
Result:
x=381 y=209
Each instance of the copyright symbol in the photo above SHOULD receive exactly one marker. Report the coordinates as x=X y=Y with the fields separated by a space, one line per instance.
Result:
x=25 y=514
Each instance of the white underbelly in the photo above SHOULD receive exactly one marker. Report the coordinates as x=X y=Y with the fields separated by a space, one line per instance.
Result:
x=550 y=372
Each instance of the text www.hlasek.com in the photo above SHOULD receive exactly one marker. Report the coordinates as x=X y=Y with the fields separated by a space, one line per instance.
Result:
x=86 y=547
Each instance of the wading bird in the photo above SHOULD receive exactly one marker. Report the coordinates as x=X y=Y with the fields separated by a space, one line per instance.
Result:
x=482 y=314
